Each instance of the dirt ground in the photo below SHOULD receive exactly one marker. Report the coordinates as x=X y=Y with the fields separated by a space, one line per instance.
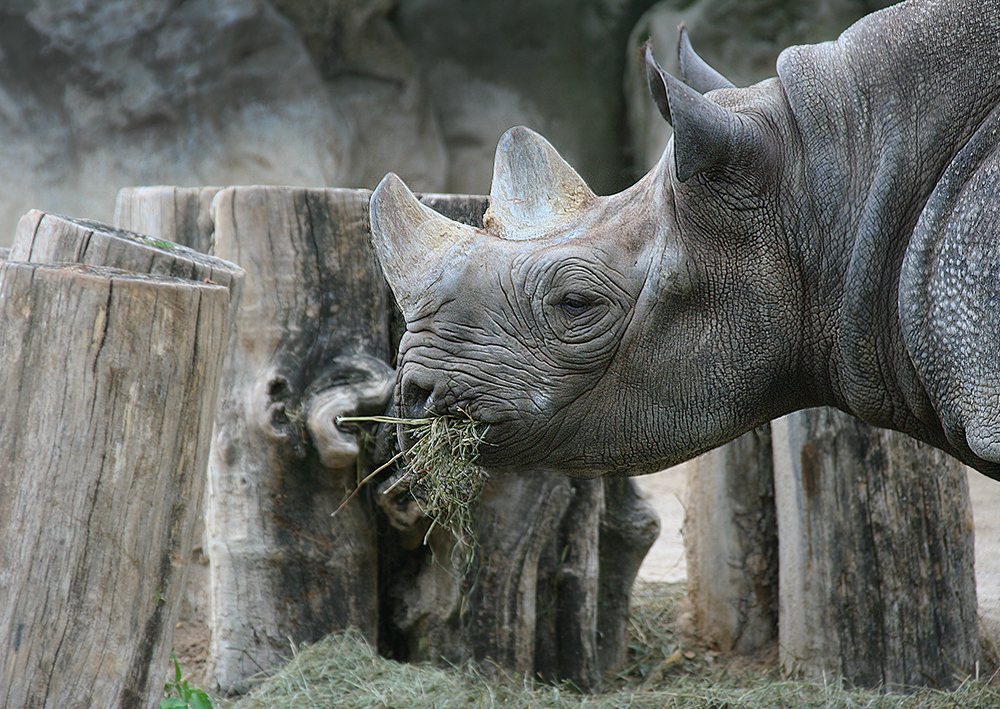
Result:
x=665 y=561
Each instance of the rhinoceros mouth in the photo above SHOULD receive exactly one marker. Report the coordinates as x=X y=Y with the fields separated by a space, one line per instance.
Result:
x=445 y=399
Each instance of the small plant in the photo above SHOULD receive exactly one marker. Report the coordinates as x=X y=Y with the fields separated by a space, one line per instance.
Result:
x=187 y=697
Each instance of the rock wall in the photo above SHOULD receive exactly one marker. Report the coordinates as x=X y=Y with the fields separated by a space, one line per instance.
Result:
x=96 y=95
x=552 y=65
x=99 y=94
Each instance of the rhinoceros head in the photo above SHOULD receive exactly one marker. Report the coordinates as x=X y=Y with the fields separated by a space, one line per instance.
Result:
x=603 y=334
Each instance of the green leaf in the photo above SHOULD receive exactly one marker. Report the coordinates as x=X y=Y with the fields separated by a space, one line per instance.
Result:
x=199 y=700
x=177 y=667
x=173 y=703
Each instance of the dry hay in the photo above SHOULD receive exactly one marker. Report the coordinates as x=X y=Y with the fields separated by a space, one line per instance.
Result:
x=344 y=671
x=440 y=470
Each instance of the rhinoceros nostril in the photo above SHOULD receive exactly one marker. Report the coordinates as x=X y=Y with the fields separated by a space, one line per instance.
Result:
x=417 y=400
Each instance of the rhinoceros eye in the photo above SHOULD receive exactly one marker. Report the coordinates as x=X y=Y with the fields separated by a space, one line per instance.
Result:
x=575 y=304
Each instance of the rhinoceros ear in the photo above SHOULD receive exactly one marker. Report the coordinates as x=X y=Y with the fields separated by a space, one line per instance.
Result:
x=410 y=238
x=533 y=187
x=695 y=71
x=705 y=133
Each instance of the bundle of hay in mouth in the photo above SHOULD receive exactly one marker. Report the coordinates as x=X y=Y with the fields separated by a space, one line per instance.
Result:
x=440 y=471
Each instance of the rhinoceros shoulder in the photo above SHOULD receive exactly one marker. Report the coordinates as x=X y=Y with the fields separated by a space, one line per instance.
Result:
x=949 y=294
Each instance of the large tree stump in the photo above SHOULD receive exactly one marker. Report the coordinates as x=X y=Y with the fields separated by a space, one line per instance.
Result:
x=108 y=392
x=731 y=545
x=311 y=344
x=877 y=581
x=181 y=215
x=547 y=592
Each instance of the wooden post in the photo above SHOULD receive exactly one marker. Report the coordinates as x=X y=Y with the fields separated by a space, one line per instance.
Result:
x=311 y=344
x=877 y=582
x=48 y=238
x=513 y=584
x=108 y=391
x=731 y=545
x=629 y=526
x=451 y=609
x=181 y=215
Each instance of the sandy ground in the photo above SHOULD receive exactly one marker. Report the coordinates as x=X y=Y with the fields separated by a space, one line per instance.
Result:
x=665 y=561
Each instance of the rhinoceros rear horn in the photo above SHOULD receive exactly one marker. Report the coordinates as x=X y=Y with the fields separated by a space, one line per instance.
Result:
x=705 y=134
x=533 y=187
x=410 y=239
x=695 y=71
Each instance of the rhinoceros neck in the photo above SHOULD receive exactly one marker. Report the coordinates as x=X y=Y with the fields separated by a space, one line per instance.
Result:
x=880 y=113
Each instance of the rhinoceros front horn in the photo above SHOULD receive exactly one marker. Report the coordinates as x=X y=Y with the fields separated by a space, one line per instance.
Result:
x=411 y=240
x=705 y=134
x=534 y=191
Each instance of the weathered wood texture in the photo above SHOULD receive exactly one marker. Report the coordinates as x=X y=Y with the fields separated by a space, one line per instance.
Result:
x=731 y=545
x=547 y=592
x=311 y=344
x=107 y=396
x=629 y=526
x=184 y=213
x=877 y=581
x=47 y=238
x=568 y=588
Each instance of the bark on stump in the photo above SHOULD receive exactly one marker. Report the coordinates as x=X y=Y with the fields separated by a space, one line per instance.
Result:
x=108 y=386
x=182 y=215
x=731 y=545
x=311 y=344
x=547 y=593
x=877 y=582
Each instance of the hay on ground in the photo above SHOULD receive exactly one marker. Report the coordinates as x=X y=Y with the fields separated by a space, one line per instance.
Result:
x=344 y=671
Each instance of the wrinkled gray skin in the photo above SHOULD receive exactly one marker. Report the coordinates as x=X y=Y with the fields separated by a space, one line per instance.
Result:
x=827 y=237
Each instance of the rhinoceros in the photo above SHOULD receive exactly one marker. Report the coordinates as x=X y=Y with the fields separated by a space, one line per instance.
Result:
x=826 y=237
